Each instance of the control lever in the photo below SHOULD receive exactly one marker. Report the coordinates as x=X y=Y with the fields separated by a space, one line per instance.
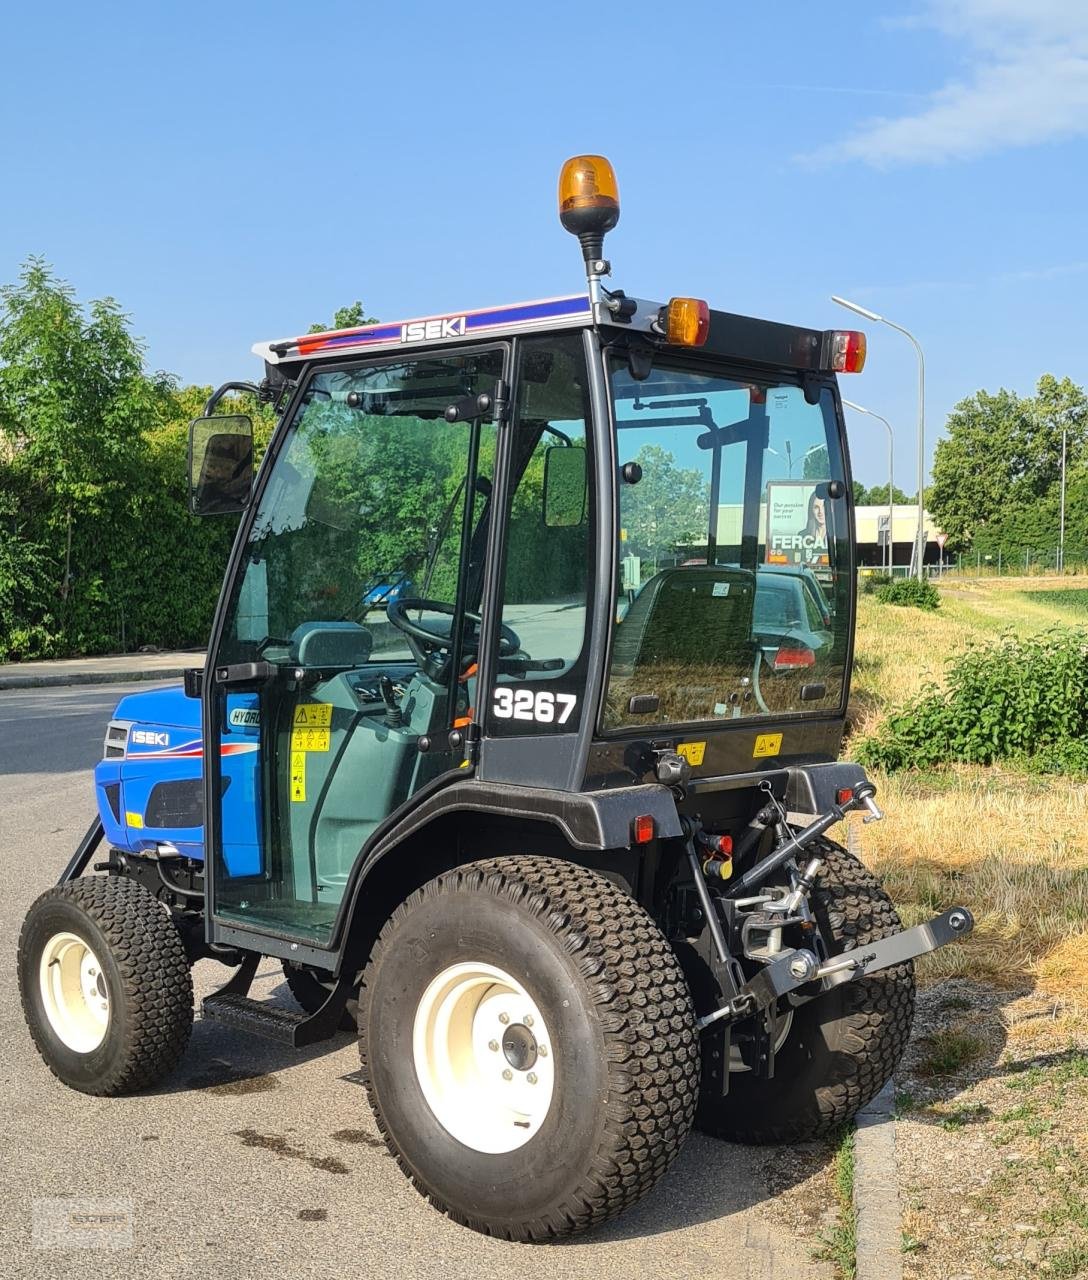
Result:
x=394 y=716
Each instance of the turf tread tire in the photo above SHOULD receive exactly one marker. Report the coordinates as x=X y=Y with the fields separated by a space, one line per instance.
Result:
x=156 y=981
x=645 y=1011
x=872 y=1025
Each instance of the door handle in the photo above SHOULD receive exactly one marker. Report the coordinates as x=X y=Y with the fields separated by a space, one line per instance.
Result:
x=245 y=673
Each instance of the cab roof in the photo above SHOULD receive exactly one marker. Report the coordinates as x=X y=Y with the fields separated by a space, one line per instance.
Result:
x=740 y=338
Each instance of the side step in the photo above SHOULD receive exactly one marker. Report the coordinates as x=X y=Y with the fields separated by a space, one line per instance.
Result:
x=257 y=1016
x=232 y=1006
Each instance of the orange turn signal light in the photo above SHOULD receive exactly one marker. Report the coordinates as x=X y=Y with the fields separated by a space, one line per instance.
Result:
x=687 y=322
x=848 y=351
x=588 y=182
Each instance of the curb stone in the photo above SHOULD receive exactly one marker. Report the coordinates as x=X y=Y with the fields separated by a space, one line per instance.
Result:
x=91 y=677
x=876 y=1191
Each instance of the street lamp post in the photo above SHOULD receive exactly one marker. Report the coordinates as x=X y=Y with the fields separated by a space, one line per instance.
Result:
x=891 y=474
x=1061 y=527
x=919 y=539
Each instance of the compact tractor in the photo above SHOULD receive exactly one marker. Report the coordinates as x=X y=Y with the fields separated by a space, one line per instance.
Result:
x=517 y=746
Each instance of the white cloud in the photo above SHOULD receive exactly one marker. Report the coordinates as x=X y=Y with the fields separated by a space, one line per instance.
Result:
x=1025 y=81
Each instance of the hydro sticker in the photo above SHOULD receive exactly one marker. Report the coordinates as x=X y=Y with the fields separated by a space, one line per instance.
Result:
x=767 y=744
x=692 y=752
x=244 y=717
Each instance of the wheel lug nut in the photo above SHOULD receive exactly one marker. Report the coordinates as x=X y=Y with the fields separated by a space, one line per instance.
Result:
x=493 y=1045
x=508 y=1074
x=504 y=1018
x=528 y=1019
x=542 y=1050
x=531 y=1077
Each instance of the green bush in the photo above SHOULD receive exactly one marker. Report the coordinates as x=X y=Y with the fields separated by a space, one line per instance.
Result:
x=1017 y=700
x=872 y=582
x=919 y=594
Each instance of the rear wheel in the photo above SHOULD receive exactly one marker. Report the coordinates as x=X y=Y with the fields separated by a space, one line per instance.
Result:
x=105 y=985
x=529 y=1046
x=841 y=1048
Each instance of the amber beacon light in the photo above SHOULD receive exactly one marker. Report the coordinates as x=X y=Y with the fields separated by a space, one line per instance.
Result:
x=589 y=202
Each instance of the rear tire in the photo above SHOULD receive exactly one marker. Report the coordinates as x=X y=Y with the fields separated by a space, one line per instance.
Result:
x=529 y=1047
x=842 y=1047
x=105 y=985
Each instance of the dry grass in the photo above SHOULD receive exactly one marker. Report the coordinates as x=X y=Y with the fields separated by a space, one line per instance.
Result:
x=1011 y=847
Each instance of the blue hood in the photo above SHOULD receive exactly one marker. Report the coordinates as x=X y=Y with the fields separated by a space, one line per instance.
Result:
x=161 y=706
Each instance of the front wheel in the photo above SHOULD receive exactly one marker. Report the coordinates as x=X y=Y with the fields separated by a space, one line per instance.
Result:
x=105 y=985
x=839 y=1049
x=529 y=1046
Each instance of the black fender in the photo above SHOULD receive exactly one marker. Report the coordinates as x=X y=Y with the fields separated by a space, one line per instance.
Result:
x=814 y=788
x=586 y=821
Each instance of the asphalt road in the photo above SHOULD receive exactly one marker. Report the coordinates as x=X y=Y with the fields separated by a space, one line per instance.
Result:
x=253 y=1159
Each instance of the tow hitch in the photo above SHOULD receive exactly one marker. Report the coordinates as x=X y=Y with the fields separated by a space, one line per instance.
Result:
x=801 y=968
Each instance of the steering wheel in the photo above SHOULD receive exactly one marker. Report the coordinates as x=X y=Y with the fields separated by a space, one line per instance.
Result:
x=424 y=642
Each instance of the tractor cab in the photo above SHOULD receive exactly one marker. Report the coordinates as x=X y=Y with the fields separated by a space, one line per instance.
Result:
x=525 y=547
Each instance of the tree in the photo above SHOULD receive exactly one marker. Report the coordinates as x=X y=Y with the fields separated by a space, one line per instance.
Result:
x=877 y=496
x=668 y=508
x=996 y=475
x=74 y=404
x=350 y=317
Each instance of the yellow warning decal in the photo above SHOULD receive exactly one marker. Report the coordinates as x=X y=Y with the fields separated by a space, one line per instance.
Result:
x=767 y=744
x=692 y=752
x=298 y=776
x=313 y=715
x=134 y=819
x=309 y=740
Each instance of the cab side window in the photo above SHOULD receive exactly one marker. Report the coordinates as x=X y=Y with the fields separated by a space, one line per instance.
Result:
x=546 y=583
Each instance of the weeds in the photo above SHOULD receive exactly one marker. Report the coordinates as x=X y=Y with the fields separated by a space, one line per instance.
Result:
x=841 y=1241
x=948 y=1051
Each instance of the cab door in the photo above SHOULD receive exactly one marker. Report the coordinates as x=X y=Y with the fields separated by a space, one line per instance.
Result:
x=353 y=620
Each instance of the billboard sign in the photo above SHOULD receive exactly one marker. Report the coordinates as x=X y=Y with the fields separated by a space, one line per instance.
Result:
x=796 y=523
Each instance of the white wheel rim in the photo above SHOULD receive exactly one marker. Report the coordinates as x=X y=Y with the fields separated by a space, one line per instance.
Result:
x=74 y=992
x=484 y=1057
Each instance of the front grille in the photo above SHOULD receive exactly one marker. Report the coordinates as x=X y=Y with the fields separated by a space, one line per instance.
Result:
x=116 y=741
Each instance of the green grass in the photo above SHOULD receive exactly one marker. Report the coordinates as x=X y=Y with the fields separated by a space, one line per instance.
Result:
x=949 y=1050
x=841 y=1241
x=1074 y=600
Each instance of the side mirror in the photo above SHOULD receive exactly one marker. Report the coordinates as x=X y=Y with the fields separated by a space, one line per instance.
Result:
x=564 y=486
x=220 y=464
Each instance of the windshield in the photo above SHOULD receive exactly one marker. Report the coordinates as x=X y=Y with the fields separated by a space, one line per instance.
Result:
x=733 y=596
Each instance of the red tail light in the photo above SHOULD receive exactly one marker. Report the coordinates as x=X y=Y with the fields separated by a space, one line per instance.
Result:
x=795 y=659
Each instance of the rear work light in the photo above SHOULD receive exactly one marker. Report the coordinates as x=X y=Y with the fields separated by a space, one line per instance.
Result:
x=796 y=658
x=686 y=322
x=847 y=351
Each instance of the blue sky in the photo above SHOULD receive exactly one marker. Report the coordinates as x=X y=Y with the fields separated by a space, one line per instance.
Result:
x=234 y=172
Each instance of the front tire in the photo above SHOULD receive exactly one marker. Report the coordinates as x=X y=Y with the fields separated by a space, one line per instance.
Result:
x=842 y=1047
x=529 y=1046
x=105 y=985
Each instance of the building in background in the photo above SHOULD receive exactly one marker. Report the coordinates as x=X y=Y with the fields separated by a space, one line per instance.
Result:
x=871 y=529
